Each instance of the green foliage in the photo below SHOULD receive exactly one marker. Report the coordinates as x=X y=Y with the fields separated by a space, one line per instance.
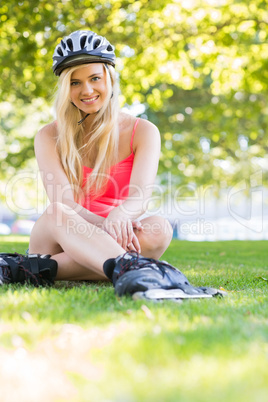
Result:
x=199 y=68
x=81 y=336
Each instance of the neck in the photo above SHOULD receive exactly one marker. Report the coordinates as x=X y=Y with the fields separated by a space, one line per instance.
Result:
x=88 y=122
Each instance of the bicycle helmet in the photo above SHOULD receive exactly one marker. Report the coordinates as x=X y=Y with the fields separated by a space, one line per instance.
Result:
x=82 y=47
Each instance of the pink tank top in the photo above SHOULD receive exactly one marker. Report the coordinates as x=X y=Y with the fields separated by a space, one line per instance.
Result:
x=117 y=187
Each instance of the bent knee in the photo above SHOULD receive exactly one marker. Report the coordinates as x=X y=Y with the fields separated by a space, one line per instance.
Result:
x=58 y=213
x=155 y=236
x=159 y=228
x=58 y=208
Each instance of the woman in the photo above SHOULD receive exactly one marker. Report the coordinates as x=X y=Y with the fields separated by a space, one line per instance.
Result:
x=98 y=167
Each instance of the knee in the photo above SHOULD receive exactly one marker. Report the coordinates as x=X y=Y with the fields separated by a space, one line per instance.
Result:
x=161 y=230
x=58 y=212
x=54 y=209
x=156 y=236
x=168 y=231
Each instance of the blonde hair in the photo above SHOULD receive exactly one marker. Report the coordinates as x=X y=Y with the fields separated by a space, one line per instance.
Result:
x=102 y=140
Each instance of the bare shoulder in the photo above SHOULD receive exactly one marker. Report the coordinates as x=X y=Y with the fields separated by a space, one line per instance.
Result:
x=127 y=121
x=46 y=133
x=45 y=142
x=146 y=125
x=146 y=132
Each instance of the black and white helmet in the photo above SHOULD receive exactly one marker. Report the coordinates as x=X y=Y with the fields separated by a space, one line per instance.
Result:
x=82 y=47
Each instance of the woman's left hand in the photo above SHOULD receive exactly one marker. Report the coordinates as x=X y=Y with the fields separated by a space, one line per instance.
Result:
x=123 y=233
x=135 y=244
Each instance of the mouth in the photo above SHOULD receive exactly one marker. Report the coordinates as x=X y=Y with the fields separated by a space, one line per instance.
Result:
x=89 y=101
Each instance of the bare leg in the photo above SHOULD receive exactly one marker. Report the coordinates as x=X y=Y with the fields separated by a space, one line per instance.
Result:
x=60 y=230
x=81 y=248
x=72 y=271
x=154 y=240
x=155 y=236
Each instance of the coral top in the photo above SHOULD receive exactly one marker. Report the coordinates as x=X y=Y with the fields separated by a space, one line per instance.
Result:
x=117 y=189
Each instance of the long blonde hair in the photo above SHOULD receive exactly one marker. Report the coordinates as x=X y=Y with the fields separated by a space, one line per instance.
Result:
x=102 y=140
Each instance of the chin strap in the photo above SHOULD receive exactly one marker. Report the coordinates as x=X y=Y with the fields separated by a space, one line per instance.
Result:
x=84 y=118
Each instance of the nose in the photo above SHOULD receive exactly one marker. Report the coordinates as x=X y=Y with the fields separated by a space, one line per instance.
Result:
x=87 y=88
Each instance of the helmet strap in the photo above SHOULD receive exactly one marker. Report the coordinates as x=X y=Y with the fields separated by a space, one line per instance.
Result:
x=84 y=118
x=88 y=114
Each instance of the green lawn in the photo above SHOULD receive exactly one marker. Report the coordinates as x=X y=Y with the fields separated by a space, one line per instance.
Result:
x=78 y=342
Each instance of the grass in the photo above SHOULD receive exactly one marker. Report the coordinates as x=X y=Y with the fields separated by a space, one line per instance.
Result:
x=78 y=342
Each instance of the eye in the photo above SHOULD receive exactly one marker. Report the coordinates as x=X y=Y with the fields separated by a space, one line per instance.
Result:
x=95 y=79
x=74 y=83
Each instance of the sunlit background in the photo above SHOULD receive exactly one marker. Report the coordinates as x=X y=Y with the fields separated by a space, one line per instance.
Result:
x=196 y=69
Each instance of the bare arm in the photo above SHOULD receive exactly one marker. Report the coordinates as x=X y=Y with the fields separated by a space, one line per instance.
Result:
x=55 y=181
x=146 y=146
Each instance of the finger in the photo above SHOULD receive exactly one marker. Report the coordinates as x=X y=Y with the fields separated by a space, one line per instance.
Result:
x=117 y=230
x=136 y=243
x=108 y=227
x=124 y=235
x=113 y=234
x=129 y=231
x=130 y=247
x=137 y=225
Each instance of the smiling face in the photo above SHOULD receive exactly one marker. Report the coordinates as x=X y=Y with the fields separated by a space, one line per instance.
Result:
x=89 y=87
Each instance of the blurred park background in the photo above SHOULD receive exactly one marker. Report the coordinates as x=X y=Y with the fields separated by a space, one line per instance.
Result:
x=198 y=69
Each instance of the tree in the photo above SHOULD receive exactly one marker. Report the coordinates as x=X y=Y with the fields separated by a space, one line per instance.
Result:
x=198 y=67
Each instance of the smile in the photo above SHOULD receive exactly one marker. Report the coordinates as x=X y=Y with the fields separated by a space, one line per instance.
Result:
x=89 y=101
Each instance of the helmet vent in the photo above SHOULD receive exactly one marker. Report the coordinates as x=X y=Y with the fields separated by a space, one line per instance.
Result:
x=109 y=48
x=60 y=52
x=63 y=44
x=83 y=42
x=70 y=44
x=96 y=43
